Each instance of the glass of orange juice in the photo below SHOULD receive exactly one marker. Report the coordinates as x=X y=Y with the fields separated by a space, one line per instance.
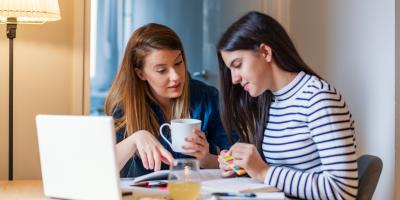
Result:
x=184 y=179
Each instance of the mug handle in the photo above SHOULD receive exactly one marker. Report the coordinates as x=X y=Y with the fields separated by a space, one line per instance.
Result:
x=162 y=135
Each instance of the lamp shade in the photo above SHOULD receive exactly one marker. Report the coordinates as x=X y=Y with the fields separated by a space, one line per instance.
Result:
x=29 y=11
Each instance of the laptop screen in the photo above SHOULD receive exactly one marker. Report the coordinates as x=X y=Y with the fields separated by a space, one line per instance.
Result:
x=77 y=157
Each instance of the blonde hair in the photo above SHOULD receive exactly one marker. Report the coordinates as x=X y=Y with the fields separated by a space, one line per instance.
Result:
x=131 y=95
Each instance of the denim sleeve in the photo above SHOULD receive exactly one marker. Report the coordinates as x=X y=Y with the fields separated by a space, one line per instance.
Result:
x=125 y=170
x=120 y=135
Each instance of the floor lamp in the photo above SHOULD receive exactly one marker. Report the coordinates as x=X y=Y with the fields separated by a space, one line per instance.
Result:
x=13 y=12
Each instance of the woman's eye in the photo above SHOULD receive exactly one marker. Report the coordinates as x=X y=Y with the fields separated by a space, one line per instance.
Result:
x=161 y=71
x=178 y=63
x=237 y=66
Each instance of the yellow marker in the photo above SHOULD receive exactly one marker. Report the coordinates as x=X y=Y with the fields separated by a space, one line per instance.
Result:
x=236 y=169
x=228 y=158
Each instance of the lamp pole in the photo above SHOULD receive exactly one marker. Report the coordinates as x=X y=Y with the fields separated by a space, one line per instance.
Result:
x=11 y=34
x=30 y=12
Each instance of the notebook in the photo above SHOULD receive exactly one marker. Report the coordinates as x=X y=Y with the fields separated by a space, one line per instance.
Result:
x=236 y=184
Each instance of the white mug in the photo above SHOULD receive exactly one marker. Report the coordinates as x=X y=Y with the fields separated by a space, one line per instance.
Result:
x=180 y=129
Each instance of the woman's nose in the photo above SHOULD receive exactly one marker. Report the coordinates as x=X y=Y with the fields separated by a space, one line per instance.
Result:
x=235 y=78
x=174 y=75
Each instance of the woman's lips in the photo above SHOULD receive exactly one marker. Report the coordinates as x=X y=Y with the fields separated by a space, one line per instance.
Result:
x=175 y=86
x=246 y=86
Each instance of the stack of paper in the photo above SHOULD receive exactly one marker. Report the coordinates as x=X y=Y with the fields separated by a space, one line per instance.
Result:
x=237 y=184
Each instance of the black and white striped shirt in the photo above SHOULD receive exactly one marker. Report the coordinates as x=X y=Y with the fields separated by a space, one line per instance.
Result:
x=309 y=142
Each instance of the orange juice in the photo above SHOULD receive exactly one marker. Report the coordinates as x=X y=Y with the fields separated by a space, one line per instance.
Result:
x=181 y=190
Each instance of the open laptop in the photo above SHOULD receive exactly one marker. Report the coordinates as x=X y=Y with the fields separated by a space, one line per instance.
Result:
x=77 y=157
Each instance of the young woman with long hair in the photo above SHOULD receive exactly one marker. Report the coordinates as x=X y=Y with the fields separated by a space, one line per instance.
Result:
x=296 y=132
x=152 y=87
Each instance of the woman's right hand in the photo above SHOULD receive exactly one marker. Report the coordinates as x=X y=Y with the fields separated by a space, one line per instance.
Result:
x=151 y=151
x=227 y=171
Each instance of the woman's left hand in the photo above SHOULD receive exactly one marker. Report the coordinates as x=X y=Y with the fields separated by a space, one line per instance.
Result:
x=197 y=145
x=247 y=157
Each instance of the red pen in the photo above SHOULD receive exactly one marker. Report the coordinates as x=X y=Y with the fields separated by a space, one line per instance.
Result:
x=162 y=185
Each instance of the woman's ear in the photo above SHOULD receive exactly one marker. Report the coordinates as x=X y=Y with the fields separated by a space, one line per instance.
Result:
x=140 y=74
x=266 y=52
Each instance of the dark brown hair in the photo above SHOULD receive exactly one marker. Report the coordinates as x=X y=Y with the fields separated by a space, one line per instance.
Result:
x=241 y=113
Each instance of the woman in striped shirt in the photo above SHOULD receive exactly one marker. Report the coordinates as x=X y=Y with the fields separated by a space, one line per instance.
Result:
x=296 y=132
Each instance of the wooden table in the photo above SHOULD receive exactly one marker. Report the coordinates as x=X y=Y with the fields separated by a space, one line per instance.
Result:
x=33 y=190
x=21 y=189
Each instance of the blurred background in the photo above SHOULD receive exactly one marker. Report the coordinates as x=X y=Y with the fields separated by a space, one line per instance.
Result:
x=198 y=23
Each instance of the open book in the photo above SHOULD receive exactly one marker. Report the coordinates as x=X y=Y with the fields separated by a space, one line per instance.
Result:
x=213 y=182
x=205 y=174
x=157 y=175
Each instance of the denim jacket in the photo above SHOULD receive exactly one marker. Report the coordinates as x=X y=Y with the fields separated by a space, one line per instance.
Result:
x=203 y=106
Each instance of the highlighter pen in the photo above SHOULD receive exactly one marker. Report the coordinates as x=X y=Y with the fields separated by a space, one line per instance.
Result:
x=227 y=194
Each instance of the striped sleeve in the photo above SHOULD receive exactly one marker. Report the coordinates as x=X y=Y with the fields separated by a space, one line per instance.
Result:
x=331 y=129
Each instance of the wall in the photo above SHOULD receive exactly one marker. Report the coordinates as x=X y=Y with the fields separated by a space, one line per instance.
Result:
x=3 y=103
x=308 y=31
x=397 y=55
x=47 y=79
x=351 y=44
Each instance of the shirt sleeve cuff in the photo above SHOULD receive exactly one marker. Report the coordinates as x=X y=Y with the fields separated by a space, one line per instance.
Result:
x=268 y=177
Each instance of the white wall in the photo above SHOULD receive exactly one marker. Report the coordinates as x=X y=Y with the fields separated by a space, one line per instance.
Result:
x=397 y=35
x=48 y=78
x=308 y=31
x=352 y=45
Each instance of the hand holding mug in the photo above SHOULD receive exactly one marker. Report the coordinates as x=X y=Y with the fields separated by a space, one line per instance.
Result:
x=180 y=130
x=197 y=145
